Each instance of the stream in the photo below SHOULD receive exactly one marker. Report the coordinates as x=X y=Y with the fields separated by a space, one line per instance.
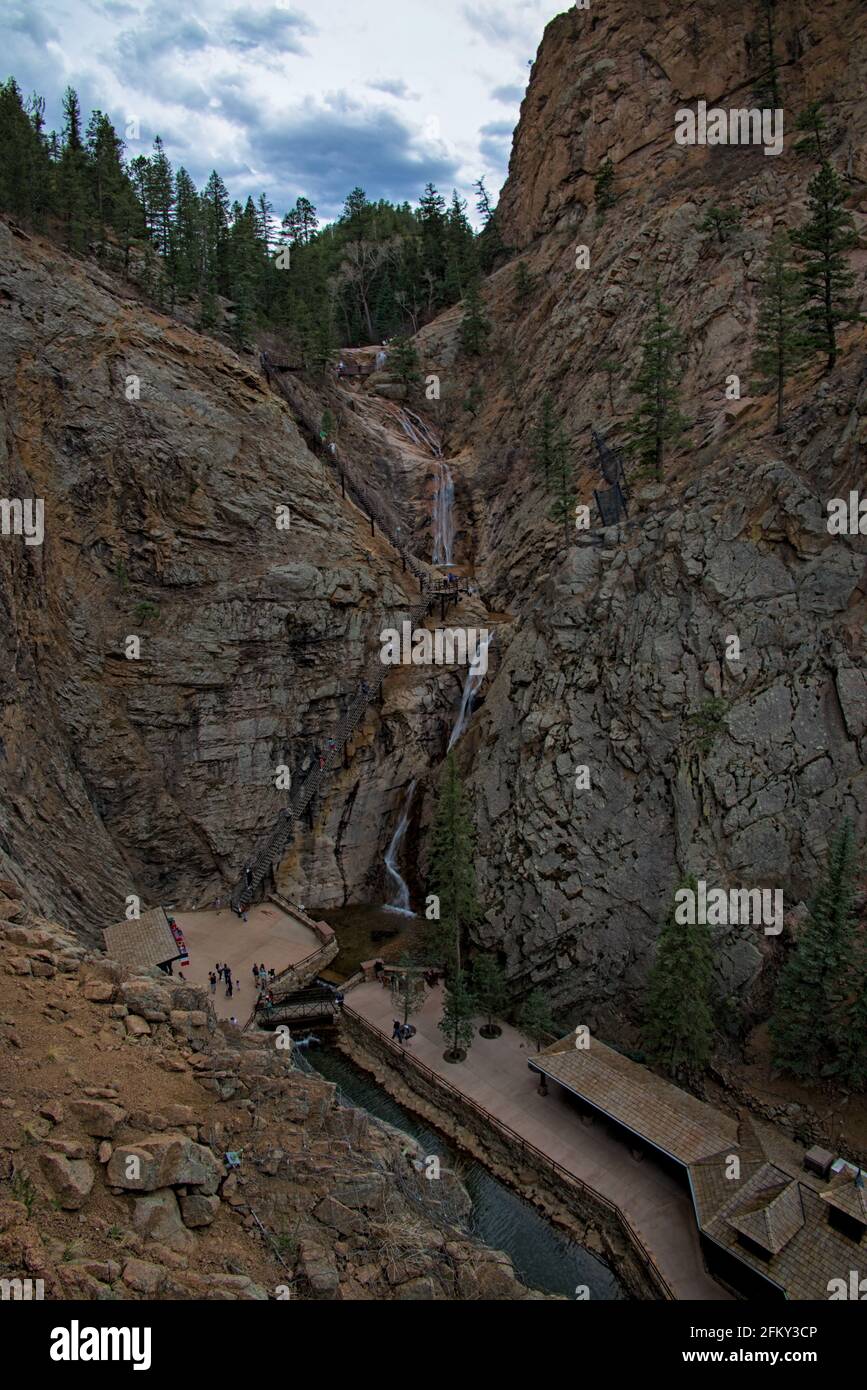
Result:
x=543 y=1258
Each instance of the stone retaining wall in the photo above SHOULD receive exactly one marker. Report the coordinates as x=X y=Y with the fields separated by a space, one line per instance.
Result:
x=582 y=1214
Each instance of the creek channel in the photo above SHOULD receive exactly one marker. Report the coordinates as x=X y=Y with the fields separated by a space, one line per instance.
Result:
x=543 y=1258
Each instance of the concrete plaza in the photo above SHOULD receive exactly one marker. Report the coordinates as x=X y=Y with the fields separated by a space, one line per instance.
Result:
x=271 y=936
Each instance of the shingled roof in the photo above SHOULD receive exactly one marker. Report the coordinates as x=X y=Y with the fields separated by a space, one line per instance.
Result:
x=845 y=1194
x=671 y=1119
x=751 y=1192
x=143 y=941
x=772 y=1214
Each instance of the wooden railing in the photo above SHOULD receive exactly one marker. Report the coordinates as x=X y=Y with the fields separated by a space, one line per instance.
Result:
x=514 y=1137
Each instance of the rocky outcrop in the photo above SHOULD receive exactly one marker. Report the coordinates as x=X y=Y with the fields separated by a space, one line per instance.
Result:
x=131 y=1132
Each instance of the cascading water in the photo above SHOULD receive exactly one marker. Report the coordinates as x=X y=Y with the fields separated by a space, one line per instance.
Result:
x=475 y=676
x=400 y=900
x=444 y=516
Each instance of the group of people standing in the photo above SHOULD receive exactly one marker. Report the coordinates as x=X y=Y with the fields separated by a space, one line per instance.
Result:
x=262 y=977
x=223 y=972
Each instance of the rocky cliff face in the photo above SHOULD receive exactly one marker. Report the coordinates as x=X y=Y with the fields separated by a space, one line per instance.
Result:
x=162 y=459
x=621 y=645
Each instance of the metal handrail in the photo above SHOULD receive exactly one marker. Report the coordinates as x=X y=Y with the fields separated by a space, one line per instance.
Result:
x=525 y=1145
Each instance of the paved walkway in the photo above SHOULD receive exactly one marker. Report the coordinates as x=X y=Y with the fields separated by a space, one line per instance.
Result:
x=270 y=937
x=497 y=1077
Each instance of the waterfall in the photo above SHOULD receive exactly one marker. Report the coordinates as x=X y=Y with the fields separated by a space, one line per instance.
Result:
x=400 y=902
x=475 y=676
x=444 y=516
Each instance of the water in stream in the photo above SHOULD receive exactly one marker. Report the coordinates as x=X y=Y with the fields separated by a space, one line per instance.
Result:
x=542 y=1257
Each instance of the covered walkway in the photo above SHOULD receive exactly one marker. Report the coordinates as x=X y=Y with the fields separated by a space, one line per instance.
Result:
x=495 y=1076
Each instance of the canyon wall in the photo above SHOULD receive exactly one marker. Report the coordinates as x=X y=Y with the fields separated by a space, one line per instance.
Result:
x=620 y=647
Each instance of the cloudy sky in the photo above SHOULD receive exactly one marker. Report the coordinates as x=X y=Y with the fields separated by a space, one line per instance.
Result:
x=311 y=97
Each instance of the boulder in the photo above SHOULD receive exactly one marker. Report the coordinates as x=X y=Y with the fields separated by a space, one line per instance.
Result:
x=158 y=1217
x=164 y=1160
x=71 y=1179
x=147 y=998
x=144 y=1277
x=97 y=1117
x=99 y=991
x=199 y=1210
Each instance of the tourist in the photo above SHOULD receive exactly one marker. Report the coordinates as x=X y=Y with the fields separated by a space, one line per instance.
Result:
x=272 y=974
x=254 y=970
x=397 y=1032
x=228 y=986
x=248 y=875
x=378 y=968
x=213 y=982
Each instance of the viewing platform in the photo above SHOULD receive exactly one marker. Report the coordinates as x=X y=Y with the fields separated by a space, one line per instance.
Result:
x=275 y=934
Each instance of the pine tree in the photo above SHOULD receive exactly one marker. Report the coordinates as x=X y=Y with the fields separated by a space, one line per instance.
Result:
x=722 y=220
x=404 y=361
x=603 y=187
x=779 y=335
x=544 y=439
x=524 y=283
x=764 y=42
x=489 y=990
x=72 y=176
x=809 y=1007
x=161 y=197
x=852 y=1036
x=25 y=170
x=459 y=1006
x=215 y=245
x=451 y=873
x=657 y=421
x=433 y=225
x=475 y=329
x=461 y=260
x=826 y=237
x=490 y=242
x=678 y=1023
x=561 y=470
x=813 y=122
x=535 y=1019
x=108 y=181
x=188 y=235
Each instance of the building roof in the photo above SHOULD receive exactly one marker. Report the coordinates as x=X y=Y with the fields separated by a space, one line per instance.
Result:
x=143 y=941
x=748 y=1179
x=663 y=1114
x=844 y=1193
x=772 y=1213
